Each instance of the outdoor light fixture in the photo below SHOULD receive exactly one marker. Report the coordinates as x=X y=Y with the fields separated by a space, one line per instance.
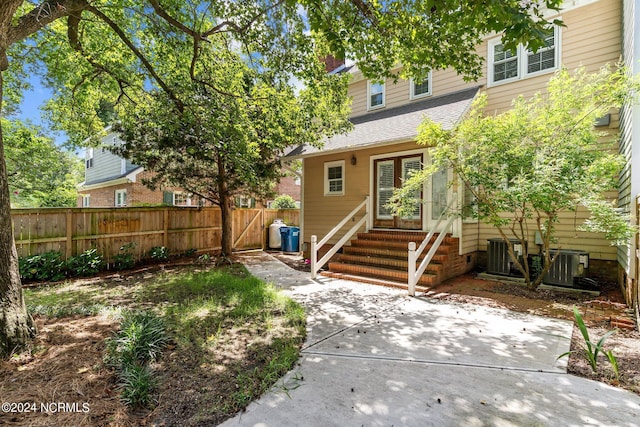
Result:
x=353 y=159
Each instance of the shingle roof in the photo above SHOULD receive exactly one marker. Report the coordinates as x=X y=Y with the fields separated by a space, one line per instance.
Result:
x=394 y=125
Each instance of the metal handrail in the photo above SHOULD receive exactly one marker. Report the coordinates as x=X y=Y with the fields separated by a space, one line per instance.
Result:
x=315 y=245
x=414 y=254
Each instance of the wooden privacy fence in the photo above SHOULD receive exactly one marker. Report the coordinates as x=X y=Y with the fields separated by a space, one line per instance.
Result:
x=179 y=229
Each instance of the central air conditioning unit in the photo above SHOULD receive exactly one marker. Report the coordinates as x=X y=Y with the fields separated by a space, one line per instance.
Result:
x=569 y=268
x=498 y=259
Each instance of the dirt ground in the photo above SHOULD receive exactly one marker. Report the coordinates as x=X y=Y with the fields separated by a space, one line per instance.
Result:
x=65 y=382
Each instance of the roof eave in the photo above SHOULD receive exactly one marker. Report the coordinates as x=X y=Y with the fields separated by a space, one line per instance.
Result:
x=349 y=149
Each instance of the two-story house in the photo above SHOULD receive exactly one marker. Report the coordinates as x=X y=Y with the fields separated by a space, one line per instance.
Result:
x=372 y=160
x=112 y=181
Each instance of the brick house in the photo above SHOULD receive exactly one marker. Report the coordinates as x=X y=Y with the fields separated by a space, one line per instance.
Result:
x=111 y=181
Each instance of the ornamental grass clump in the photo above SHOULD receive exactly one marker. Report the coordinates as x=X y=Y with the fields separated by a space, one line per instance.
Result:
x=140 y=341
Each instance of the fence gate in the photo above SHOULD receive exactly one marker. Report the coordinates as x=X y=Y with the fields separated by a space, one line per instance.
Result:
x=248 y=229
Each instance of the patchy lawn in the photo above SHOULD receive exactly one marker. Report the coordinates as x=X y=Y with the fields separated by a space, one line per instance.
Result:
x=231 y=338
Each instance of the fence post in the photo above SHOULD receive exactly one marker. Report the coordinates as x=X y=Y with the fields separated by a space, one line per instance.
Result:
x=68 y=252
x=165 y=226
x=314 y=256
x=412 y=269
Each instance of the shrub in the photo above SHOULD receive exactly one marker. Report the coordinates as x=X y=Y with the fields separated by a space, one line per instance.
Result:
x=137 y=383
x=284 y=201
x=124 y=259
x=140 y=340
x=88 y=263
x=47 y=266
x=159 y=252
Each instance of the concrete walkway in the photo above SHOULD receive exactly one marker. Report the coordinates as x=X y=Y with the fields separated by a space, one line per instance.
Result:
x=375 y=357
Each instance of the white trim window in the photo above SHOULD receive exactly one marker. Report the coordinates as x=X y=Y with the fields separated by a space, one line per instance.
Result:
x=121 y=198
x=86 y=200
x=334 y=178
x=181 y=199
x=507 y=65
x=420 y=89
x=375 y=95
x=89 y=159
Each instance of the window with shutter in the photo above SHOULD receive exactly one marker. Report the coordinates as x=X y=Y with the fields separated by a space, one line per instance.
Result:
x=385 y=187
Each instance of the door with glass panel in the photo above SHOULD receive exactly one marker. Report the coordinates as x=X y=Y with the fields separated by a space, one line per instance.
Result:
x=389 y=175
x=439 y=191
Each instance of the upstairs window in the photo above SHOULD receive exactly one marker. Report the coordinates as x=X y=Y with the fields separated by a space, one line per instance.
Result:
x=334 y=178
x=86 y=200
x=422 y=88
x=89 y=158
x=545 y=57
x=375 y=95
x=511 y=65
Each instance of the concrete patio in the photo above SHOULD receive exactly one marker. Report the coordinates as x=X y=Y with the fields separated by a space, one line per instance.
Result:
x=376 y=357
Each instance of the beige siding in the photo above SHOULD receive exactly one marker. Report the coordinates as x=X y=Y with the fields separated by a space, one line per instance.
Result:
x=591 y=38
x=322 y=213
x=567 y=235
x=470 y=237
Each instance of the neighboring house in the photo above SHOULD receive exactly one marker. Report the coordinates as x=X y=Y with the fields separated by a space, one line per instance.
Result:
x=381 y=151
x=288 y=185
x=111 y=181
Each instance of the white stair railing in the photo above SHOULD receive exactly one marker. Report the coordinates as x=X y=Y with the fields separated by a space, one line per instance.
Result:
x=414 y=254
x=315 y=245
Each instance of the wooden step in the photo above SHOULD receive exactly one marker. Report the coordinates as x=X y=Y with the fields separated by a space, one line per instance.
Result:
x=445 y=247
x=426 y=279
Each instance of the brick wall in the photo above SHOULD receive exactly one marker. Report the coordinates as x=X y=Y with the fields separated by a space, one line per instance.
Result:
x=287 y=185
x=137 y=194
x=331 y=63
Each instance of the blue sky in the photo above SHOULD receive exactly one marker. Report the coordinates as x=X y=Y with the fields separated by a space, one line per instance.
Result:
x=32 y=100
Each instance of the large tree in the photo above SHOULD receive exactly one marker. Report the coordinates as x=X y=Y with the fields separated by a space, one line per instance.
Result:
x=224 y=143
x=40 y=173
x=107 y=35
x=538 y=160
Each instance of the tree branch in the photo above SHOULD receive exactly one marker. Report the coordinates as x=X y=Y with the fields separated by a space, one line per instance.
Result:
x=237 y=28
x=172 y=21
x=145 y=62
x=41 y=16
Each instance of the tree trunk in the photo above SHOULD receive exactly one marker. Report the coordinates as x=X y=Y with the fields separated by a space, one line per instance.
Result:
x=226 y=209
x=16 y=326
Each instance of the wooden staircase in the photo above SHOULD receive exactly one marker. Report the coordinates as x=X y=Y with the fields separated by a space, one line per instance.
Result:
x=380 y=257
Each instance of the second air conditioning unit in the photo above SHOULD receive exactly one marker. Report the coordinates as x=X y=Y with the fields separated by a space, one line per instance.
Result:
x=568 y=266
